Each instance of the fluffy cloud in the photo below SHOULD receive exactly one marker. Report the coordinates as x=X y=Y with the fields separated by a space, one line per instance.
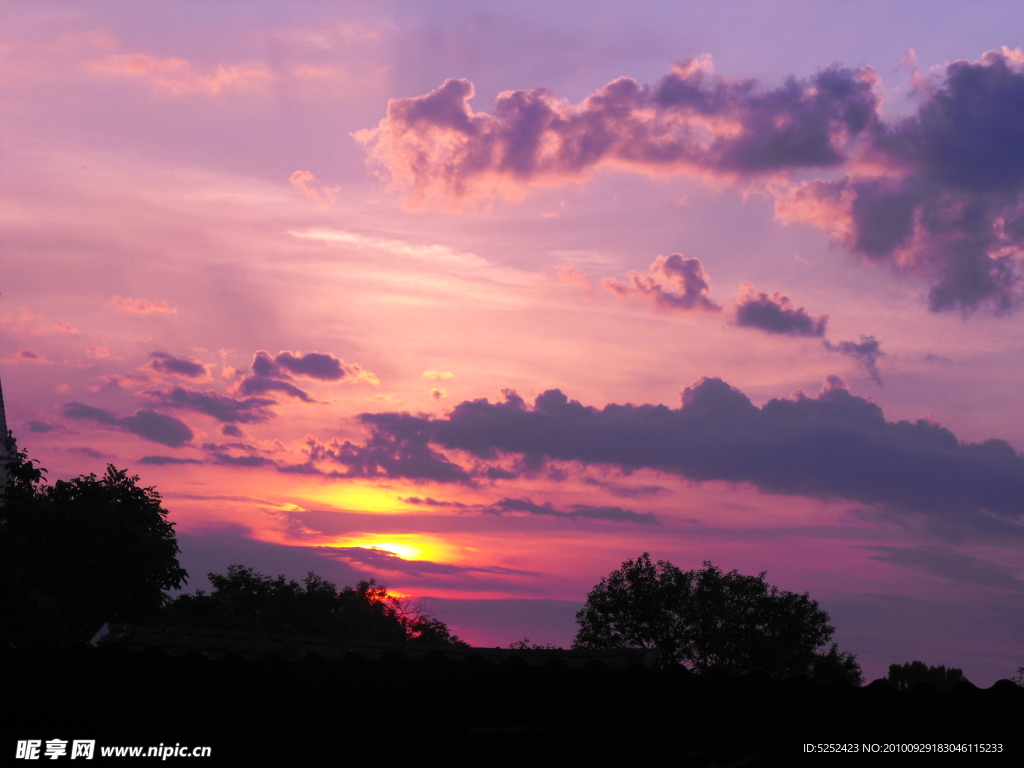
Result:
x=835 y=445
x=946 y=197
x=776 y=314
x=691 y=121
x=939 y=194
x=673 y=283
x=149 y=425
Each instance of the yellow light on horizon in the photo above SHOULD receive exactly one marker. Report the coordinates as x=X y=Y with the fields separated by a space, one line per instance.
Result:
x=407 y=547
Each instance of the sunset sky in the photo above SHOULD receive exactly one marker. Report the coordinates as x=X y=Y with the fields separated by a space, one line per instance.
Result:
x=481 y=299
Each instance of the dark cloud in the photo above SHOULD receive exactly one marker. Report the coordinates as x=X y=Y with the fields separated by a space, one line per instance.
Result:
x=92 y=453
x=955 y=566
x=692 y=121
x=273 y=374
x=626 y=491
x=835 y=445
x=162 y=362
x=578 y=510
x=39 y=426
x=157 y=427
x=948 y=205
x=382 y=559
x=82 y=411
x=395 y=447
x=429 y=502
x=268 y=376
x=162 y=460
x=776 y=314
x=315 y=365
x=673 y=283
x=257 y=385
x=866 y=353
x=249 y=410
x=28 y=355
x=527 y=505
x=249 y=460
x=230 y=430
x=150 y=425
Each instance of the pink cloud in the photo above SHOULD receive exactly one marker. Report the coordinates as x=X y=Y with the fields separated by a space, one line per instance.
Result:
x=142 y=306
x=178 y=76
x=574 y=276
x=318 y=194
x=435 y=147
x=673 y=283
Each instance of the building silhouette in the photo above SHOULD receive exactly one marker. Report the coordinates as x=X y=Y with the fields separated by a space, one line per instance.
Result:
x=8 y=448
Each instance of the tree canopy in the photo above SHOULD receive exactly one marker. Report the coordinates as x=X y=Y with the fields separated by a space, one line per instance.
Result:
x=245 y=599
x=80 y=552
x=706 y=618
x=903 y=676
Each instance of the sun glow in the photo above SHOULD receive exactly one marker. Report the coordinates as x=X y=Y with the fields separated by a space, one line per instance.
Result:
x=366 y=498
x=406 y=547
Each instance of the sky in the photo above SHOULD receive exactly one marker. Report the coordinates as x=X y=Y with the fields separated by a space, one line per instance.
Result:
x=481 y=299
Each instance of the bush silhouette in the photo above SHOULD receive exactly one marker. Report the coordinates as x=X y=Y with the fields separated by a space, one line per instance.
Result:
x=243 y=599
x=706 y=618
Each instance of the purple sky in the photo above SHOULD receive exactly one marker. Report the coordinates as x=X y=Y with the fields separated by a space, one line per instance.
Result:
x=482 y=299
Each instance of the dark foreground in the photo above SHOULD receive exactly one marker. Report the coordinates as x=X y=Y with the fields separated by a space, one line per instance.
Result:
x=430 y=707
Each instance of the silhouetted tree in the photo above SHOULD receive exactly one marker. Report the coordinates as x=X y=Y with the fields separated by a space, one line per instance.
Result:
x=904 y=676
x=706 y=618
x=80 y=552
x=526 y=645
x=245 y=599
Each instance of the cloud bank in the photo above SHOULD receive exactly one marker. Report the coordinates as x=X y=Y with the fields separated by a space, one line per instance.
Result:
x=833 y=446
